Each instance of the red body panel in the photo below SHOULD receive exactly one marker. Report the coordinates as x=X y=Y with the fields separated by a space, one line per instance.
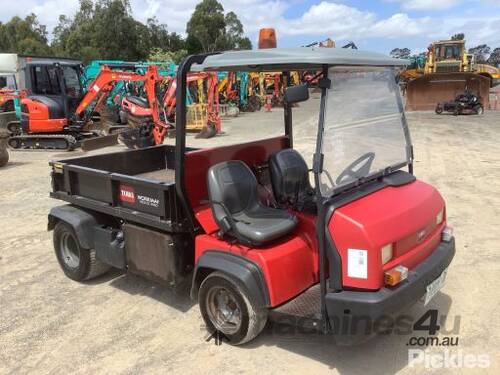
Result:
x=39 y=118
x=289 y=266
x=397 y=215
x=198 y=162
x=134 y=109
x=404 y=216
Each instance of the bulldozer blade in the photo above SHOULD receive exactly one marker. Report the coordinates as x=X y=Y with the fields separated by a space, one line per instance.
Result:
x=99 y=142
x=425 y=92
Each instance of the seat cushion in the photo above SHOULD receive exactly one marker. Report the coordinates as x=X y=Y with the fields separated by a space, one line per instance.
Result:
x=232 y=189
x=264 y=224
x=137 y=100
x=290 y=180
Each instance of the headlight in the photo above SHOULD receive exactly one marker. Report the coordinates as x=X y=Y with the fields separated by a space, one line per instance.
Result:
x=440 y=217
x=386 y=253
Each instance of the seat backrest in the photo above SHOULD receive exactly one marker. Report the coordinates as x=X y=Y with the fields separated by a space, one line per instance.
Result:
x=232 y=187
x=289 y=176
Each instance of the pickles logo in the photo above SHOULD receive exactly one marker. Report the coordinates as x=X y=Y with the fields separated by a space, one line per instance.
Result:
x=127 y=194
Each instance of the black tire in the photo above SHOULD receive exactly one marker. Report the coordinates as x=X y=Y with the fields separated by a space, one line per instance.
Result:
x=478 y=109
x=456 y=112
x=4 y=157
x=439 y=109
x=77 y=263
x=252 y=317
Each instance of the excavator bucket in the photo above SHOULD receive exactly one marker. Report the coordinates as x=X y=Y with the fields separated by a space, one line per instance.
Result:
x=425 y=92
x=99 y=142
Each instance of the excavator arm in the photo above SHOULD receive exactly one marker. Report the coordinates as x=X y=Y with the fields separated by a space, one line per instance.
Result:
x=103 y=84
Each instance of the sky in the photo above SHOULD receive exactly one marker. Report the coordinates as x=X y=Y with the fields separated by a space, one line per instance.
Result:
x=376 y=25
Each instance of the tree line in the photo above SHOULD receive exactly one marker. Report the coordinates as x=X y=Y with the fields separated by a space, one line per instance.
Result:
x=483 y=54
x=106 y=29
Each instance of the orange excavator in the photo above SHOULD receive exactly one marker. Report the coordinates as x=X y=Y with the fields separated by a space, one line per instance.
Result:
x=55 y=115
x=151 y=119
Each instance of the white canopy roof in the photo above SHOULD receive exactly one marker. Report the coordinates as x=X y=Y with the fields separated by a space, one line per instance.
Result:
x=295 y=59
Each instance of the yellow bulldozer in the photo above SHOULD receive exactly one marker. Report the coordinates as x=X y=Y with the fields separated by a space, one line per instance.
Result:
x=448 y=71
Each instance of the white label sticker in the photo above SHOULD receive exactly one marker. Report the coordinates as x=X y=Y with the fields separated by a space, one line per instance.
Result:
x=96 y=88
x=357 y=263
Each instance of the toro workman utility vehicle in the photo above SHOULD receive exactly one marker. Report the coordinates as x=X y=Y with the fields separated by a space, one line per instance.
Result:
x=363 y=242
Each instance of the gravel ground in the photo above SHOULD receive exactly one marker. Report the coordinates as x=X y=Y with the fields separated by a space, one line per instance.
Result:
x=122 y=324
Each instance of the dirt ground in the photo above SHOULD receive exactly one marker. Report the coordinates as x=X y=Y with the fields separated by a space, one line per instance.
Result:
x=122 y=324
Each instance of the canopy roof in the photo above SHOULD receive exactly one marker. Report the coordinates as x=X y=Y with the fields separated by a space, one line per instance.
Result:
x=295 y=59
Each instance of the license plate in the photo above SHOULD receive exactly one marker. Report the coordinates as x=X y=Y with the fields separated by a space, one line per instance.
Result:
x=434 y=287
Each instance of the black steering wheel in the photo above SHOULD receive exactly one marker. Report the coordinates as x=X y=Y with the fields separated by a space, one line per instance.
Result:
x=364 y=161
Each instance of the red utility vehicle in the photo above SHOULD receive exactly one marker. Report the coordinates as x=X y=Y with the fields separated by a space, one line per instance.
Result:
x=367 y=241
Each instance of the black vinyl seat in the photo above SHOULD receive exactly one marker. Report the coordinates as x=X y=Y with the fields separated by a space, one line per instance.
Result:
x=232 y=188
x=137 y=100
x=290 y=180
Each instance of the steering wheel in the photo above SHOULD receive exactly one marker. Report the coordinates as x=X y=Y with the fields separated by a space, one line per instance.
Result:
x=364 y=161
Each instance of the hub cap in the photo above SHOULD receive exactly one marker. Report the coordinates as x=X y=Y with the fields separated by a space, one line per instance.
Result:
x=223 y=309
x=69 y=251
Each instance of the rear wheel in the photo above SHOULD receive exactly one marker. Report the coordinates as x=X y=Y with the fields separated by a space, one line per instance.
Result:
x=439 y=109
x=226 y=307
x=78 y=264
x=478 y=109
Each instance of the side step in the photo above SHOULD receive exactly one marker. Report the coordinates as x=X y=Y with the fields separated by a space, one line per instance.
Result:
x=303 y=311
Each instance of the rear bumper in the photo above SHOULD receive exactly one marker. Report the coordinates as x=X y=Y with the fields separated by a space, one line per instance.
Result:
x=355 y=316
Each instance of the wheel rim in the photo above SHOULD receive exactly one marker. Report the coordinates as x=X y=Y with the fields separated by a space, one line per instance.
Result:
x=69 y=251
x=224 y=310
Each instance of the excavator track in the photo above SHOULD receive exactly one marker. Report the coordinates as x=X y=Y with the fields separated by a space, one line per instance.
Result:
x=43 y=142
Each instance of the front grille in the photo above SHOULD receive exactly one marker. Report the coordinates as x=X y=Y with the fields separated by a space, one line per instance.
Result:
x=448 y=68
x=409 y=242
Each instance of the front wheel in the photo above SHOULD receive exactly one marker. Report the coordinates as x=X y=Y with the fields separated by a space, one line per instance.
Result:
x=78 y=264
x=478 y=109
x=227 y=308
x=439 y=109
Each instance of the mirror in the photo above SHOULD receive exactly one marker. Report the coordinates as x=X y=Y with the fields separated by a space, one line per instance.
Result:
x=296 y=94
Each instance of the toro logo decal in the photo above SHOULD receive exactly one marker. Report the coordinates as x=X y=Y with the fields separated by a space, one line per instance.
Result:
x=127 y=194
x=421 y=234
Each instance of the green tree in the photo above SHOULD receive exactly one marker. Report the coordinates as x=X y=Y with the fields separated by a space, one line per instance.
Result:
x=161 y=38
x=106 y=29
x=494 y=58
x=235 y=37
x=160 y=55
x=210 y=30
x=207 y=25
x=116 y=34
x=24 y=36
x=459 y=36
x=400 y=53
x=480 y=52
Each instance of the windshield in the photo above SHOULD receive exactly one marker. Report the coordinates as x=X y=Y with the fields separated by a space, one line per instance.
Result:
x=364 y=131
